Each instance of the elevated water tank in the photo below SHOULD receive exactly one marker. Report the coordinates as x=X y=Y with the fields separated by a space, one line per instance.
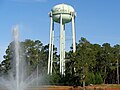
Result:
x=65 y=10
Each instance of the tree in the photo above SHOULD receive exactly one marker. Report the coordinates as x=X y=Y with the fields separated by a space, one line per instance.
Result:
x=117 y=59
x=84 y=59
x=107 y=58
x=6 y=64
x=90 y=64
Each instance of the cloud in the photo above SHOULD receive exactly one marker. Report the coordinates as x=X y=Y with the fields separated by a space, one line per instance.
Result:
x=40 y=0
x=29 y=1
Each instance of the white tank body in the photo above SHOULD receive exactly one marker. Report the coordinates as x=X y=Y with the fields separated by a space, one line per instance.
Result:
x=65 y=10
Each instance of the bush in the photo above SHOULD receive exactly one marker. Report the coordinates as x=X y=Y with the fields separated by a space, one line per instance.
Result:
x=54 y=79
x=98 y=78
x=90 y=79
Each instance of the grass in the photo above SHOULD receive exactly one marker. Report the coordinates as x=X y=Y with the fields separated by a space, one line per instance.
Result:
x=108 y=85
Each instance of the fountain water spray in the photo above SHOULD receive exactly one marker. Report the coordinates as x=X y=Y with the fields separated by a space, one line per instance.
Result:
x=17 y=78
x=17 y=57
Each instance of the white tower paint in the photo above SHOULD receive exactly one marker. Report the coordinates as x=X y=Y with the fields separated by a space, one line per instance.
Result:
x=62 y=14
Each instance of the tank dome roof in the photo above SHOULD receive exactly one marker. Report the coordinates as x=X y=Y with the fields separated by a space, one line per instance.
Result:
x=62 y=8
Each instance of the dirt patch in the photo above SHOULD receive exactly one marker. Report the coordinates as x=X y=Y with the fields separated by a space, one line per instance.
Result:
x=95 y=87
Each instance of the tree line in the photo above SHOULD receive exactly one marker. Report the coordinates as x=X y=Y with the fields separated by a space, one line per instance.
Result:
x=90 y=64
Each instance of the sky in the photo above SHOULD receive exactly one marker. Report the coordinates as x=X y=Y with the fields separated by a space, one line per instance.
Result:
x=97 y=20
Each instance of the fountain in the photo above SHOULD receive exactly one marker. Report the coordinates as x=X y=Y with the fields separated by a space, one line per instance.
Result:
x=17 y=78
x=17 y=57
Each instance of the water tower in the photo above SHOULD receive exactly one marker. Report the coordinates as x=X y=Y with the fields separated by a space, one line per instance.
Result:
x=62 y=14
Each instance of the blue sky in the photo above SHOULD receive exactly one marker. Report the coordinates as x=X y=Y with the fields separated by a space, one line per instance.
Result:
x=97 y=20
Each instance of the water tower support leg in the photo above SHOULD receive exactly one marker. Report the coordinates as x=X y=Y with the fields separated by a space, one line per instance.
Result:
x=73 y=34
x=49 y=57
x=64 y=51
x=61 y=45
x=52 y=50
